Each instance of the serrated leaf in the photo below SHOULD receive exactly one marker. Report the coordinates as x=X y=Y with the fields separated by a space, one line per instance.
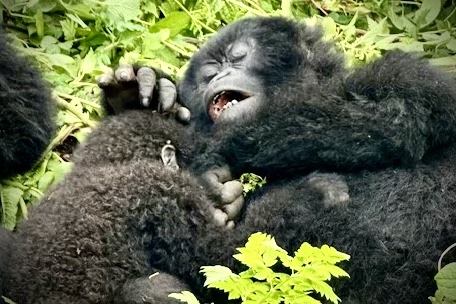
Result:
x=48 y=41
x=69 y=29
x=333 y=256
x=185 y=296
x=123 y=9
x=446 y=281
x=326 y=291
x=217 y=274
x=77 y=20
x=175 y=22
x=336 y=271
x=88 y=64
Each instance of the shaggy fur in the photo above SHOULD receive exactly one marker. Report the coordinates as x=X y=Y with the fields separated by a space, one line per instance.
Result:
x=387 y=128
x=26 y=122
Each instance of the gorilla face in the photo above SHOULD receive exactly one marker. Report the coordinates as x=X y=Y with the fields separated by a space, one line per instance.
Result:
x=226 y=86
x=229 y=90
x=229 y=80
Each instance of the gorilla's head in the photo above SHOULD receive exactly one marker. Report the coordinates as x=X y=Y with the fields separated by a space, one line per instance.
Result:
x=251 y=63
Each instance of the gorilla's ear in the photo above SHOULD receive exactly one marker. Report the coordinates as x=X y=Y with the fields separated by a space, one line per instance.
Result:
x=168 y=156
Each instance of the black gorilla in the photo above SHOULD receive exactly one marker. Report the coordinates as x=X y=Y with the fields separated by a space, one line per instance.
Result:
x=26 y=120
x=288 y=107
x=26 y=123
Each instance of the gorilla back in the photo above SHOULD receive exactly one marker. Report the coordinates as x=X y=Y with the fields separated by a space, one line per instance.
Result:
x=26 y=114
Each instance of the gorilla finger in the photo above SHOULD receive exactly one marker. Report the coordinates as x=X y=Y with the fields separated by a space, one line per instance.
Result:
x=125 y=73
x=183 y=114
x=106 y=81
x=220 y=217
x=230 y=191
x=216 y=177
x=166 y=95
x=230 y=225
x=146 y=81
x=234 y=209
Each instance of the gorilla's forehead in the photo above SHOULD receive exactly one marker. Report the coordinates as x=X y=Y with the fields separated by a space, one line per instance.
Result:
x=260 y=31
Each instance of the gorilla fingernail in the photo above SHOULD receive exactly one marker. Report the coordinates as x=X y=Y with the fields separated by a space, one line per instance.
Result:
x=145 y=102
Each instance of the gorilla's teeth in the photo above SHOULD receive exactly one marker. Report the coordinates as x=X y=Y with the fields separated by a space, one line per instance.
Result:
x=228 y=105
x=234 y=101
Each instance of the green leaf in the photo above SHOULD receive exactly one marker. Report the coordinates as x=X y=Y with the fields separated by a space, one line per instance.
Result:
x=42 y=5
x=123 y=9
x=175 y=22
x=61 y=170
x=427 y=13
x=8 y=301
x=10 y=197
x=185 y=296
x=88 y=64
x=39 y=23
x=48 y=41
x=446 y=281
x=69 y=29
x=77 y=20
x=152 y=41
x=444 y=61
x=45 y=180
x=451 y=45
x=325 y=290
x=216 y=274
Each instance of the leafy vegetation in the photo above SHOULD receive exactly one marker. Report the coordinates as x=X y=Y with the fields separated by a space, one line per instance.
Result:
x=251 y=182
x=446 y=281
x=310 y=270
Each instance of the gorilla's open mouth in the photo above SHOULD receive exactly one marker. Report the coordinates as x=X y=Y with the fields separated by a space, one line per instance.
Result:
x=224 y=100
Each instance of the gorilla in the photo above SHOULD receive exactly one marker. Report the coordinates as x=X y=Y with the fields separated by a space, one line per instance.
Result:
x=26 y=113
x=26 y=120
x=361 y=159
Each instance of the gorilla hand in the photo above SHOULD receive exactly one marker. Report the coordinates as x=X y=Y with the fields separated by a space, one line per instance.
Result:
x=227 y=193
x=128 y=88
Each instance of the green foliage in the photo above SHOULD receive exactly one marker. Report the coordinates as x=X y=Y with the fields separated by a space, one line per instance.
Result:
x=310 y=270
x=446 y=285
x=73 y=42
x=251 y=182
x=446 y=282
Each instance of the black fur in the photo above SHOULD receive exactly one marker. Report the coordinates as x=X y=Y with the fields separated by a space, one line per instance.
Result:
x=387 y=128
x=26 y=114
x=26 y=123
